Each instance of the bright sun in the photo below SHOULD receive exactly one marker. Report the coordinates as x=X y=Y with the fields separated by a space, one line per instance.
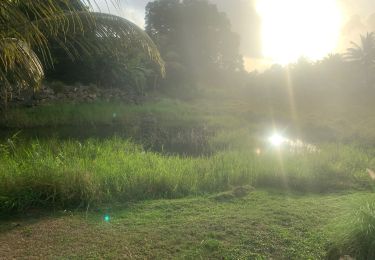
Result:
x=295 y=28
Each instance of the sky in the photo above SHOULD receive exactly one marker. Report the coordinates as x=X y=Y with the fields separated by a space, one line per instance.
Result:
x=358 y=17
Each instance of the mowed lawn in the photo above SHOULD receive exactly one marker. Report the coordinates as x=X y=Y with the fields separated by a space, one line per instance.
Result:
x=261 y=225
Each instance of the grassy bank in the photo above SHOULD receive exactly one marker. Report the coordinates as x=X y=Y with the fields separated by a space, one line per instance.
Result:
x=332 y=119
x=99 y=113
x=73 y=174
x=207 y=154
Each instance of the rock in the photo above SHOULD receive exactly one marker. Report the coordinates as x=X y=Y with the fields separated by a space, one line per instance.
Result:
x=91 y=96
x=242 y=191
x=237 y=192
x=224 y=196
x=14 y=225
x=76 y=94
x=60 y=96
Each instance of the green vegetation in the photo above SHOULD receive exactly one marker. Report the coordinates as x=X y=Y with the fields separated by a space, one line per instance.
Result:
x=188 y=170
x=357 y=232
x=260 y=225
x=364 y=56
x=93 y=156
x=28 y=27
x=196 y=49
x=100 y=113
x=72 y=173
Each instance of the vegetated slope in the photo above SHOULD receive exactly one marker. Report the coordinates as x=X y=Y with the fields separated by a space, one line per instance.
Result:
x=72 y=174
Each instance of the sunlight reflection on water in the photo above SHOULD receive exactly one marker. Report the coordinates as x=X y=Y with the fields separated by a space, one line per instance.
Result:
x=277 y=141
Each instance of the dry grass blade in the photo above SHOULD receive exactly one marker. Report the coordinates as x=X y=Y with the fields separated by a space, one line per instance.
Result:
x=371 y=173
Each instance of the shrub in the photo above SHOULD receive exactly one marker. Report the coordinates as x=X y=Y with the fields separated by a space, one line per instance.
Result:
x=57 y=86
x=357 y=237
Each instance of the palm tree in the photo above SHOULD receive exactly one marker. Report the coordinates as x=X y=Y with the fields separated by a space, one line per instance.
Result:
x=333 y=59
x=27 y=25
x=363 y=54
x=333 y=65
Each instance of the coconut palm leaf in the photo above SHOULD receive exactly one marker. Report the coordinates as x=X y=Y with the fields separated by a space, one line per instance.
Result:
x=363 y=53
x=21 y=67
x=112 y=34
x=27 y=25
x=20 y=58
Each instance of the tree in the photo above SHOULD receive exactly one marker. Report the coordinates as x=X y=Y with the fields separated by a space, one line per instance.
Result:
x=193 y=35
x=333 y=70
x=363 y=54
x=26 y=26
x=130 y=70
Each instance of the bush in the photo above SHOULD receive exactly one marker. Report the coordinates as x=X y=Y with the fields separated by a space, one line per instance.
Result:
x=357 y=237
x=57 y=86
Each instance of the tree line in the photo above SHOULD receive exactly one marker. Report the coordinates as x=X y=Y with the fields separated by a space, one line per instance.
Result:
x=184 y=43
x=31 y=32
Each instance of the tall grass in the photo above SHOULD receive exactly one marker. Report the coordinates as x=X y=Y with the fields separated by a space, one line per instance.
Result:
x=98 y=113
x=336 y=121
x=224 y=133
x=72 y=174
x=356 y=235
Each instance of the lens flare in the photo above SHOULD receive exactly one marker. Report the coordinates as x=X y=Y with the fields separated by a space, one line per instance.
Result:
x=276 y=140
x=107 y=218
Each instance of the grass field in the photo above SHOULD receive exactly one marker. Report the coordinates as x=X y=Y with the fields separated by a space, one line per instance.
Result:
x=188 y=179
x=260 y=225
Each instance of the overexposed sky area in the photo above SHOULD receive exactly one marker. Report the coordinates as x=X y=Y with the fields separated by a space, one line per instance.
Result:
x=358 y=17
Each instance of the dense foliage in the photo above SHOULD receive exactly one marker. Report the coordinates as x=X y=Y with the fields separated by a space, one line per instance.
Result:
x=363 y=55
x=27 y=26
x=195 y=39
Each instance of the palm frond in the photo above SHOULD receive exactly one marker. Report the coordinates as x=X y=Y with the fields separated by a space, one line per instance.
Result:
x=364 y=52
x=20 y=65
x=113 y=34
x=27 y=25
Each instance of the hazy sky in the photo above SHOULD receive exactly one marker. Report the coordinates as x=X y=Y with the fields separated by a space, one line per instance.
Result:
x=358 y=15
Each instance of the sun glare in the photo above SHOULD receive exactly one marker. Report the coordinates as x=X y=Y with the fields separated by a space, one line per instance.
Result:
x=295 y=28
x=276 y=140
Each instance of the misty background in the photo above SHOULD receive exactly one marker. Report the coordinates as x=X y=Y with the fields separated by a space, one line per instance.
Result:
x=358 y=18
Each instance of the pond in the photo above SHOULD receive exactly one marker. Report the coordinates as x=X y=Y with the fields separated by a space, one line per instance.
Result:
x=279 y=141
